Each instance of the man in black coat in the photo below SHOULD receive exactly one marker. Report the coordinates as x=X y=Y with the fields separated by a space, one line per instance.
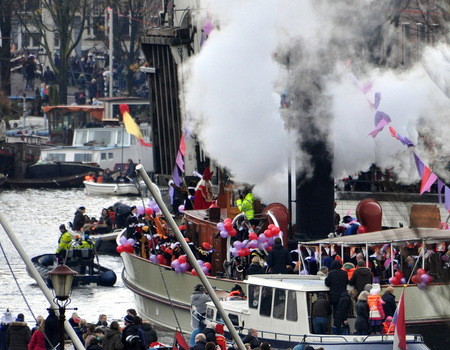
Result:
x=130 y=335
x=79 y=220
x=210 y=332
x=279 y=258
x=361 y=276
x=200 y=342
x=252 y=338
x=321 y=311
x=389 y=305
x=52 y=335
x=340 y=325
x=337 y=281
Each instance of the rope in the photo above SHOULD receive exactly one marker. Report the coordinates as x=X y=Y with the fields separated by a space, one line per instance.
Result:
x=17 y=282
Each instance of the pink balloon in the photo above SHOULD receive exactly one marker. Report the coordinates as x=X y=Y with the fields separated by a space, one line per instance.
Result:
x=237 y=244
x=254 y=244
x=224 y=234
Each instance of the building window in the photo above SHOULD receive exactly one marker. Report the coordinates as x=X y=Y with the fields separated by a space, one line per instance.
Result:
x=103 y=156
x=25 y=40
x=110 y=156
x=83 y=157
x=56 y=39
x=36 y=39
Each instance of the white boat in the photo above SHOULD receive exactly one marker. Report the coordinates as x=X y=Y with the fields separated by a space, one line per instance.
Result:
x=115 y=189
x=103 y=146
x=279 y=307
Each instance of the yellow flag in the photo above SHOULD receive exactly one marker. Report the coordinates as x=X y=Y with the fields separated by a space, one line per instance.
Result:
x=131 y=126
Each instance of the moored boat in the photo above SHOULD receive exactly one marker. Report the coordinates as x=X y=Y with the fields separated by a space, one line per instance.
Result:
x=81 y=261
x=52 y=182
x=280 y=306
x=115 y=189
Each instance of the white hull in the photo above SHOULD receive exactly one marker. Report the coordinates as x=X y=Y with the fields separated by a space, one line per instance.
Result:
x=114 y=189
x=148 y=281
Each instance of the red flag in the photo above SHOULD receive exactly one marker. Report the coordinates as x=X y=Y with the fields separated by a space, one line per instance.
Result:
x=182 y=146
x=179 y=342
x=400 y=326
x=338 y=258
x=428 y=178
x=393 y=132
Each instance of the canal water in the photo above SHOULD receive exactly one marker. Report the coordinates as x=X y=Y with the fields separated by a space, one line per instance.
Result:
x=34 y=216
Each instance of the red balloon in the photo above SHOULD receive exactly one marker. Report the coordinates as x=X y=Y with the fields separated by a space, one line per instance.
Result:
x=415 y=279
x=398 y=274
x=362 y=229
x=269 y=248
x=232 y=232
x=194 y=272
x=182 y=259
x=268 y=233
x=271 y=226
x=420 y=272
x=247 y=251
x=228 y=226
x=227 y=220
x=241 y=252
x=275 y=230
x=161 y=258
x=128 y=247
x=120 y=249
x=395 y=281
x=148 y=211
x=252 y=236
x=208 y=265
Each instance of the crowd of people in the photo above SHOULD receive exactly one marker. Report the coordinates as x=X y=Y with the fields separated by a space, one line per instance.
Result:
x=136 y=334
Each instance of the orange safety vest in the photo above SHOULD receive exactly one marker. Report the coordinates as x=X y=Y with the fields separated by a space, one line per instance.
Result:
x=373 y=306
x=89 y=178
x=386 y=326
x=220 y=340
x=349 y=272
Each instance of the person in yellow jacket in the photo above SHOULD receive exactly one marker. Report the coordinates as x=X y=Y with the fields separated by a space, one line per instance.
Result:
x=244 y=203
x=64 y=240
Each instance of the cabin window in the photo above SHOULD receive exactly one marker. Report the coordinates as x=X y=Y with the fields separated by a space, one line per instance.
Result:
x=103 y=156
x=80 y=138
x=102 y=137
x=253 y=296
x=279 y=303
x=233 y=318
x=83 y=157
x=110 y=155
x=55 y=157
x=291 y=314
x=210 y=313
x=265 y=308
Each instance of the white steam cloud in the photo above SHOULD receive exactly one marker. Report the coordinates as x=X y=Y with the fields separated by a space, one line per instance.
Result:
x=232 y=90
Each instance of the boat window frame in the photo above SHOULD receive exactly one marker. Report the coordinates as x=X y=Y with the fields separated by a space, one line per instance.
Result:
x=278 y=309
x=262 y=304
x=290 y=306
x=254 y=292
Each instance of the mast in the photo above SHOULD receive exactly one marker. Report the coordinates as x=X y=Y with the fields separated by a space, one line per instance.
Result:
x=157 y=197
x=45 y=290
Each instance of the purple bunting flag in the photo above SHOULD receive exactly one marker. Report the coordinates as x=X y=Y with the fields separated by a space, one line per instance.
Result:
x=419 y=164
x=430 y=181
x=380 y=126
x=440 y=186
x=180 y=161
x=379 y=116
x=207 y=26
x=447 y=198
x=377 y=100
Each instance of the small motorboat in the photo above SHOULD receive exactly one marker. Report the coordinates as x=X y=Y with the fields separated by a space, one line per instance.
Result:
x=80 y=260
x=115 y=189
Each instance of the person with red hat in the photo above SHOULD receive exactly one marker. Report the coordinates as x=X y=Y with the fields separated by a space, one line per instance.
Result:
x=204 y=192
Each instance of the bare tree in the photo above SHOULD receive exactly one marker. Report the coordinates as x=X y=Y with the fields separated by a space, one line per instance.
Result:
x=67 y=18
x=5 y=51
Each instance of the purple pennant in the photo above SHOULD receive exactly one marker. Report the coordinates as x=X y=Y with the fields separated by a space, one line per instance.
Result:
x=405 y=141
x=419 y=165
x=447 y=198
x=379 y=127
x=366 y=88
x=431 y=180
x=207 y=26
x=379 y=116
x=202 y=40
x=440 y=186
x=377 y=100
x=180 y=161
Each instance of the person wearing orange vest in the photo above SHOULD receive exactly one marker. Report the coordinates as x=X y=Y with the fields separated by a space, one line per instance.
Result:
x=349 y=268
x=388 y=326
x=376 y=311
x=89 y=177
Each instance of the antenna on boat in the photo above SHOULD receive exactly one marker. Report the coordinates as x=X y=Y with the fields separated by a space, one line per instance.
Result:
x=157 y=197
x=35 y=274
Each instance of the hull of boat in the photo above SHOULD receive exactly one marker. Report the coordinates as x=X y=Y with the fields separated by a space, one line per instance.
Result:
x=113 y=189
x=53 y=182
x=148 y=282
x=99 y=275
x=59 y=169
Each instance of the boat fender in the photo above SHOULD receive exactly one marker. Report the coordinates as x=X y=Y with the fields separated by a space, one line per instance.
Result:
x=108 y=278
x=47 y=260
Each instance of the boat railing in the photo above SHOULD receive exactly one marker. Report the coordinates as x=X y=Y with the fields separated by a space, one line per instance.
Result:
x=334 y=338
